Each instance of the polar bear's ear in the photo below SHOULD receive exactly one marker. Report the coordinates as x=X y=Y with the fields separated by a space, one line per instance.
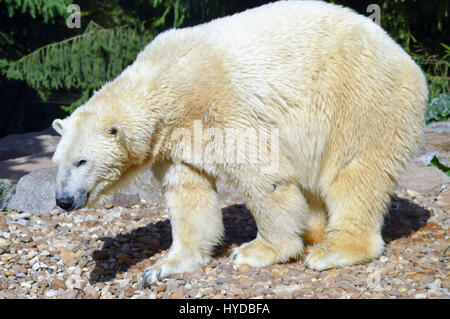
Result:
x=119 y=133
x=58 y=125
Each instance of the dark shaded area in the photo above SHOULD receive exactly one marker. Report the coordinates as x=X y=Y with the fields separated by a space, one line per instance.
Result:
x=129 y=249
x=22 y=110
x=144 y=242
x=403 y=219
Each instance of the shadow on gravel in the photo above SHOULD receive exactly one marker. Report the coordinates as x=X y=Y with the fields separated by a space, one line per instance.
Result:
x=120 y=253
x=403 y=219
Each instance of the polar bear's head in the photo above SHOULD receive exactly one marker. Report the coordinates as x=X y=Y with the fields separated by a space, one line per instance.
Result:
x=89 y=157
x=97 y=148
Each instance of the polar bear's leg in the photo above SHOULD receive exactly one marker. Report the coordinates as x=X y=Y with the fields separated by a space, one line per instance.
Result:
x=356 y=201
x=196 y=221
x=315 y=229
x=280 y=217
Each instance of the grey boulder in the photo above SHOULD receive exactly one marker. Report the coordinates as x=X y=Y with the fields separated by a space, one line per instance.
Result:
x=35 y=192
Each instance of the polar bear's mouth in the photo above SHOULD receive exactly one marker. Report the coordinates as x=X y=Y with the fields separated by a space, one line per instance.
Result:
x=81 y=199
x=99 y=195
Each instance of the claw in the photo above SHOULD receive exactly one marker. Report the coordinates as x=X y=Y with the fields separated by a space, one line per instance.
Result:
x=233 y=253
x=144 y=283
x=149 y=276
x=158 y=274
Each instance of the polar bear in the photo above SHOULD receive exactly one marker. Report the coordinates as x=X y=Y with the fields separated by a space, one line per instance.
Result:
x=345 y=101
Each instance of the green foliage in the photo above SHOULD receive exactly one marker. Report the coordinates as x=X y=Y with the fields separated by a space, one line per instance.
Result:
x=436 y=71
x=438 y=109
x=435 y=163
x=179 y=9
x=114 y=31
x=82 y=62
x=420 y=26
x=47 y=9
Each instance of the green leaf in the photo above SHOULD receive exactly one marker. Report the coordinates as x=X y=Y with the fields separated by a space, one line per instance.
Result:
x=435 y=163
x=3 y=63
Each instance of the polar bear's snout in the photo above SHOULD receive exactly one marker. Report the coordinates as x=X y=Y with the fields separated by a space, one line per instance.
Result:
x=71 y=192
x=70 y=201
x=65 y=202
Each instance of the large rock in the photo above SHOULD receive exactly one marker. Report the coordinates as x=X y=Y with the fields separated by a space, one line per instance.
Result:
x=6 y=193
x=438 y=127
x=35 y=192
x=418 y=175
x=423 y=179
x=19 y=145
x=437 y=142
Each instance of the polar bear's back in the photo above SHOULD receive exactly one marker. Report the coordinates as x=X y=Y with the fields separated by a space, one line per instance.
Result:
x=333 y=81
x=307 y=48
x=303 y=44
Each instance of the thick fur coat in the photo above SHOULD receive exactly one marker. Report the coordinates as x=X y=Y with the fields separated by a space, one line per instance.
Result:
x=345 y=101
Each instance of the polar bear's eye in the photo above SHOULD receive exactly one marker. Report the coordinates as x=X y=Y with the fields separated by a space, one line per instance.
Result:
x=112 y=130
x=80 y=162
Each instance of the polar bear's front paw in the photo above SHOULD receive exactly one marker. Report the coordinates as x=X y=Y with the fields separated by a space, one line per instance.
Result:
x=253 y=254
x=153 y=274
x=168 y=265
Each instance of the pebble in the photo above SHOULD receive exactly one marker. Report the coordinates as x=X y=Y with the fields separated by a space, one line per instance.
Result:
x=51 y=293
x=384 y=259
x=220 y=281
x=177 y=294
x=129 y=292
x=66 y=255
x=5 y=257
x=74 y=281
x=435 y=285
x=161 y=288
x=171 y=284
x=91 y=291
x=26 y=285
x=57 y=284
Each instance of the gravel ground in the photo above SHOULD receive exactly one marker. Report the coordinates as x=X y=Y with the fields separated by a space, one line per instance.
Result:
x=102 y=254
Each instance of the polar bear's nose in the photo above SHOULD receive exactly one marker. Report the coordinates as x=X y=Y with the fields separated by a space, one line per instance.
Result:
x=65 y=202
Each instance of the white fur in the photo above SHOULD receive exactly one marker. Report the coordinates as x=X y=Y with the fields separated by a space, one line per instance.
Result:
x=347 y=101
